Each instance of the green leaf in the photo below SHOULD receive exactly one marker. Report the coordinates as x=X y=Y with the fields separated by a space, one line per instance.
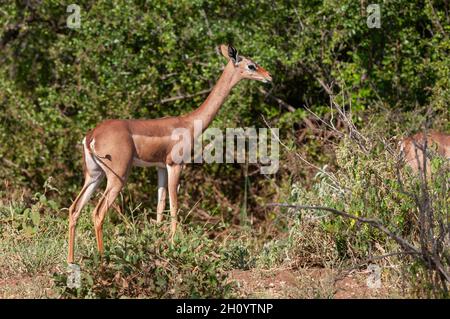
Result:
x=35 y=217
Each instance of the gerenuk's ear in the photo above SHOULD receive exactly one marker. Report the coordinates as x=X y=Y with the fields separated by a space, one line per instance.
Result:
x=230 y=53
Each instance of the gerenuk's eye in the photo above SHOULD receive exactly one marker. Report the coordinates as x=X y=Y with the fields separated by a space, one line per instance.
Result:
x=252 y=67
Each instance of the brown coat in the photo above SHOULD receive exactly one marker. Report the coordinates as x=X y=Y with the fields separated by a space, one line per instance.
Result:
x=411 y=148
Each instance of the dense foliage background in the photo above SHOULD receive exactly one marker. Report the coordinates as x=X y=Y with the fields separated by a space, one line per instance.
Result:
x=148 y=59
x=128 y=57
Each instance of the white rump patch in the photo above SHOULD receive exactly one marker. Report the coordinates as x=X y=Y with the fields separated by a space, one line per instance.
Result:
x=92 y=166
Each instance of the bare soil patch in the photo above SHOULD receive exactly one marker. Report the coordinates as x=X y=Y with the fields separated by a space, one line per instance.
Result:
x=306 y=283
x=26 y=287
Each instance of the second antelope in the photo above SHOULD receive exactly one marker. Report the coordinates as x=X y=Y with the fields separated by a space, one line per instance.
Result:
x=114 y=146
x=412 y=149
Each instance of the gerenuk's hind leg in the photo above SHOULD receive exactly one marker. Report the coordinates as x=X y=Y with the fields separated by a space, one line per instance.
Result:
x=93 y=177
x=112 y=190
x=89 y=187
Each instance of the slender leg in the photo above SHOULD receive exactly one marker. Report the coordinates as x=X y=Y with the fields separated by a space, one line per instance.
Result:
x=112 y=190
x=112 y=152
x=90 y=185
x=173 y=172
x=162 y=190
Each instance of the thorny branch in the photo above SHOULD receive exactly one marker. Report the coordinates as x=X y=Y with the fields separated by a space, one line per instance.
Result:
x=409 y=248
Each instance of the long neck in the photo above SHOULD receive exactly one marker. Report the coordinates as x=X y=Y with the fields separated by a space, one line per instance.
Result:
x=209 y=108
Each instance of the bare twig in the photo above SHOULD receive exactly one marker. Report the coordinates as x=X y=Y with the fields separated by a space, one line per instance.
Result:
x=409 y=248
x=332 y=178
x=373 y=222
x=12 y=164
x=348 y=121
x=181 y=97
x=280 y=102
x=329 y=125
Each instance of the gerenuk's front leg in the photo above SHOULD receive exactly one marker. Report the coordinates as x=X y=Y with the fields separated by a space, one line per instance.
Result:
x=173 y=174
x=162 y=190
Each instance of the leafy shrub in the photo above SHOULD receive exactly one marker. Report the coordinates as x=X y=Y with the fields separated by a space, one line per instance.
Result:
x=369 y=183
x=308 y=244
x=31 y=236
x=147 y=265
x=273 y=253
x=239 y=255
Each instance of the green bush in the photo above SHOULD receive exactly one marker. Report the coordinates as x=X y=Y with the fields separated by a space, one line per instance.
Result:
x=57 y=83
x=239 y=254
x=370 y=182
x=146 y=265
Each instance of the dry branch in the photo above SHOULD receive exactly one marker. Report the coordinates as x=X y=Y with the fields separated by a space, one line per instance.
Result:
x=409 y=248
x=280 y=102
x=181 y=97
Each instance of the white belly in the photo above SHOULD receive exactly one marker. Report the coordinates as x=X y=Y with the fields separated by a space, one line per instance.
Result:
x=141 y=163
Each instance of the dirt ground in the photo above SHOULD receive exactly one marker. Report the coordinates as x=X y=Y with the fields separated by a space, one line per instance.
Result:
x=307 y=283
x=39 y=286
x=255 y=283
